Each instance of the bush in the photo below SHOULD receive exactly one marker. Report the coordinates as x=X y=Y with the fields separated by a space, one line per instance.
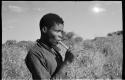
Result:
x=100 y=58
x=13 y=65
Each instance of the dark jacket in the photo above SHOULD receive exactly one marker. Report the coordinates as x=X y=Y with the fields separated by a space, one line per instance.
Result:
x=43 y=62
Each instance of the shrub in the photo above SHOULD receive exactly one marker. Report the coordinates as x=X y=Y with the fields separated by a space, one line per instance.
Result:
x=100 y=58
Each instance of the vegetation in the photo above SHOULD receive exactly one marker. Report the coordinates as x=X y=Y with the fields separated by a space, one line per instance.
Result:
x=100 y=58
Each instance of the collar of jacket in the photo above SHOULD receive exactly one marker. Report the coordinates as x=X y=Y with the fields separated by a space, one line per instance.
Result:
x=44 y=44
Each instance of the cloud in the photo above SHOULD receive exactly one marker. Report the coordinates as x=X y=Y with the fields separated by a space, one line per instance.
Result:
x=7 y=28
x=39 y=9
x=11 y=27
x=117 y=2
x=4 y=29
x=15 y=8
x=111 y=2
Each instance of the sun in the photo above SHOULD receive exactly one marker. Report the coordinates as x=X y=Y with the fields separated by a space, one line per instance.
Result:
x=97 y=9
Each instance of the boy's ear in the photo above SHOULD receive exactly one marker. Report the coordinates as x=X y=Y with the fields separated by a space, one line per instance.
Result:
x=44 y=29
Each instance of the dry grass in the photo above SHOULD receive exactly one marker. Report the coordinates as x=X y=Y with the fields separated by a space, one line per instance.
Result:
x=100 y=58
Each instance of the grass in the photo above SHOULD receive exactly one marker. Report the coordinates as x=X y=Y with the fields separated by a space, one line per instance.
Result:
x=100 y=58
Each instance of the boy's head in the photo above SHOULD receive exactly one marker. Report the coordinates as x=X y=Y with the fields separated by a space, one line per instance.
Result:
x=51 y=26
x=50 y=20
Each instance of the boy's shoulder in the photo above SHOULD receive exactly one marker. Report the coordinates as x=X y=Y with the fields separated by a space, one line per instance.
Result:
x=36 y=49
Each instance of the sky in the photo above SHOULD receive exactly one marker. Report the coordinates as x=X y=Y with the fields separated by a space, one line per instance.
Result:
x=88 y=19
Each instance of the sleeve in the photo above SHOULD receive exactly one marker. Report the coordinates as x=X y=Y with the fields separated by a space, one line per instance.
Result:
x=37 y=67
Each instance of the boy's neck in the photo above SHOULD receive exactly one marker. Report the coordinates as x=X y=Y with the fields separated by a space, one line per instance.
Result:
x=45 y=40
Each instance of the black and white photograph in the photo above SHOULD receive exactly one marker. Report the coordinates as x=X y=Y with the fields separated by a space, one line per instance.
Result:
x=62 y=40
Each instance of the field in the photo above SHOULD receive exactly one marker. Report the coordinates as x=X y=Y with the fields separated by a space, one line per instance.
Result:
x=99 y=58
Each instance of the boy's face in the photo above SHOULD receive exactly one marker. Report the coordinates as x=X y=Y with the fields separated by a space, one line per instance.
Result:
x=55 y=33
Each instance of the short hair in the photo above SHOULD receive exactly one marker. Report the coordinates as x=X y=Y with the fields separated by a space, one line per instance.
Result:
x=50 y=20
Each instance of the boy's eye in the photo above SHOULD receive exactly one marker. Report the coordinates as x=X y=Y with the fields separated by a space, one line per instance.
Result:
x=58 y=30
